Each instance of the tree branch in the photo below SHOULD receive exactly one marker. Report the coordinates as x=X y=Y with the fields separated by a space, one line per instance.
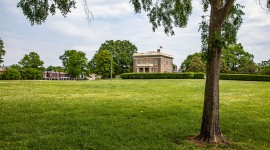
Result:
x=89 y=14
x=225 y=10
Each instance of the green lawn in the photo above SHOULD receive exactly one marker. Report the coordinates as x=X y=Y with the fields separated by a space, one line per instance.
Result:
x=128 y=114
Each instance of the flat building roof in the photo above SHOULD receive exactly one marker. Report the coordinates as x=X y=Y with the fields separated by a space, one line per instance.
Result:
x=152 y=53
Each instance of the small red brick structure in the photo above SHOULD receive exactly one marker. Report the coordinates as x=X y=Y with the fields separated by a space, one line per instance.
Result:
x=152 y=62
x=52 y=75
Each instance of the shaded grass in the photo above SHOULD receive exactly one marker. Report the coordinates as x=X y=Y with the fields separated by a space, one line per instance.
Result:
x=128 y=114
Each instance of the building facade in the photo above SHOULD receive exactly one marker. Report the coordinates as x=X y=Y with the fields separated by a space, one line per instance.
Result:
x=2 y=69
x=152 y=62
x=52 y=75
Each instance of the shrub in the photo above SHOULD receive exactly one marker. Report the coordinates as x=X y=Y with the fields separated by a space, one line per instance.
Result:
x=162 y=75
x=11 y=74
x=245 y=77
x=264 y=70
x=31 y=74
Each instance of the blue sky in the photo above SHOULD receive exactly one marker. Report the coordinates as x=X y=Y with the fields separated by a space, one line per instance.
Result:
x=116 y=20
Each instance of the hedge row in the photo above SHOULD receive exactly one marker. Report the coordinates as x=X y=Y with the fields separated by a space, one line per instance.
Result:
x=163 y=76
x=244 y=77
x=191 y=75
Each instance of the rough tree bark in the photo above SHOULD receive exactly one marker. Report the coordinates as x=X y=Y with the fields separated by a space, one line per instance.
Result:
x=210 y=127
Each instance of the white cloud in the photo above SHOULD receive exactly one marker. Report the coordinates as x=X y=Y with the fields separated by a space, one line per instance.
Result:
x=254 y=34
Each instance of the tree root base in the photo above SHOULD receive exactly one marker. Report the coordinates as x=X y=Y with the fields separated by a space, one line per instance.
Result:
x=202 y=141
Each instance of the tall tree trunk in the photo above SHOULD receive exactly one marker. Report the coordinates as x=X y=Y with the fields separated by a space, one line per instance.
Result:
x=210 y=127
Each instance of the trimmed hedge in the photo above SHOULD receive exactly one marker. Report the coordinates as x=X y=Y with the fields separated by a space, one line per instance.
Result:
x=199 y=75
x=163 y=76
x=191 y=75
x=244 y=77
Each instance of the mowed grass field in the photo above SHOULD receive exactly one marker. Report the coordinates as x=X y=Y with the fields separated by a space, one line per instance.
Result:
x=128 y=114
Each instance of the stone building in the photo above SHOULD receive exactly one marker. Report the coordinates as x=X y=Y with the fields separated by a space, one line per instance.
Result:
x=152 y=62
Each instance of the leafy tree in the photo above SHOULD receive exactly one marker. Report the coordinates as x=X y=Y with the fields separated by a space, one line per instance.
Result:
x=16 y=66
x=174 y=67
x=238 y=60
x=197 y=65
x=2 y=51
x=32 y=60
x=30 y=67
x=122 y=52
x=233 y=60
x=11 y=74
x=31 y=74
x=221 y=29
x=264 y=67
x=265 y=70
x=249 y=68
x=193 y=63
x=50 y=68
x=217 y=33
x=264 y=63
x=38 y=11
x=101 y=63
x=55 y=68
x=75 y=63
x=224 y=68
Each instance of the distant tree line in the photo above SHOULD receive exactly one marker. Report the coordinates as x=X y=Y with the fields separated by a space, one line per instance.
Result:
x=234 y=60
x=111 y=54
x=118 y=54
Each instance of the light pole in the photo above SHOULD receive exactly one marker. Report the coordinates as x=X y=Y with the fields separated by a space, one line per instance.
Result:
x=111 y=66
x=112 y=59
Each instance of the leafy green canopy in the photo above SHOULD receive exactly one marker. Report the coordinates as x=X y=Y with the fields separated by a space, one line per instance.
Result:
x=2 y=51
x=74 y=62
x=55 y=68
x=264 y=67
x=31 y=74
x=238 y=60
x=31 y=60
x=38 y=10
x=229 y=29
x=11 y=74
x=121 y=51
x=31 y=67
x=165 y=13
x=161 y=12
x=102 y=63
x=264 y=63
x=194 y=63
x=234 y=59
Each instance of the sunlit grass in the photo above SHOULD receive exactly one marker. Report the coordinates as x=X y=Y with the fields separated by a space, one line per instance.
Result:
x=128 y=114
